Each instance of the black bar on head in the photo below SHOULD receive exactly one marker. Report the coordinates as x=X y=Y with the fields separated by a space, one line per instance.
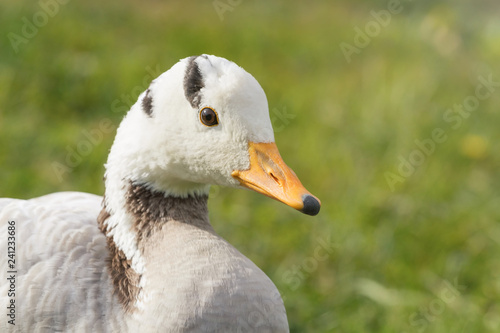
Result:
x=193 y=82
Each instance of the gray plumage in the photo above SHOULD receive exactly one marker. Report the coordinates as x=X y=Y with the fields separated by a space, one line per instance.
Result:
x=196 y=281
x=61 y=282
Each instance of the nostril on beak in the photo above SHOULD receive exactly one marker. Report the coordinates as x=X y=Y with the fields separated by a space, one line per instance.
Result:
x=274 y=178
x=311 y=205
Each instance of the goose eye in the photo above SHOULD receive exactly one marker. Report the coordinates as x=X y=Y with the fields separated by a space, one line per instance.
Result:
x=208 y=117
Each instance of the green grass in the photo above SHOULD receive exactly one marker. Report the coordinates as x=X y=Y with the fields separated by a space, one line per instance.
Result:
x=391 y=248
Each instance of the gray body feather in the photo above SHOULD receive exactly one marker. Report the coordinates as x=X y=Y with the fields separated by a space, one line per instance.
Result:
x=194 y=280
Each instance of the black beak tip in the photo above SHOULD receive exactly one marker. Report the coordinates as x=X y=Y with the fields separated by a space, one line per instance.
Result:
x=311 y=205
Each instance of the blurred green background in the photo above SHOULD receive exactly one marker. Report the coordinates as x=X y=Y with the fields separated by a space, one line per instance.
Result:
x=411 y=246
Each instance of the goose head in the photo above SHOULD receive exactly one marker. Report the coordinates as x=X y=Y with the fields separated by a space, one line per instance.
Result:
x=205 y=121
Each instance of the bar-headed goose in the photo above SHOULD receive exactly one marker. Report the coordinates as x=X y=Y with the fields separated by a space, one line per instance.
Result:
x=147 y=259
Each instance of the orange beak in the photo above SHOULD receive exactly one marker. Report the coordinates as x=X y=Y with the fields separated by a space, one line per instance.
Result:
x=269 y=175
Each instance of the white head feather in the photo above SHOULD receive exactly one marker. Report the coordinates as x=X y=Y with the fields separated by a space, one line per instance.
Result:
x=171 y=150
